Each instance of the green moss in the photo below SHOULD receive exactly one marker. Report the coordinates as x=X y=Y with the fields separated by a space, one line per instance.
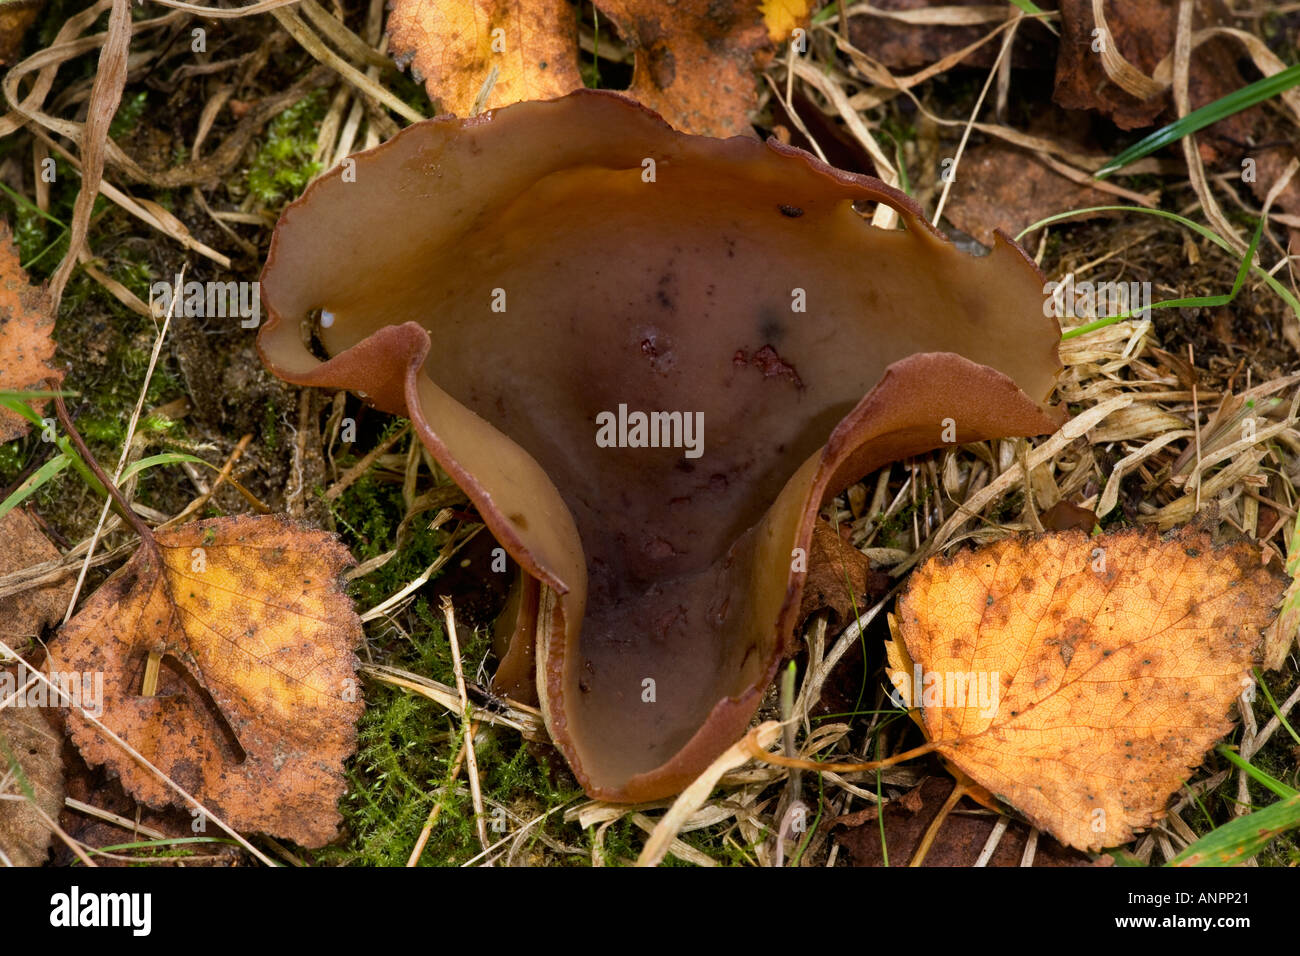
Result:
x=137 y=275
x=270 y=435
x=407 y=744
x=622 y=842
x=33 y=234
x=128 y=114
x=897 y=529
x=407 y=748
x=14 y=456
x=283 y=165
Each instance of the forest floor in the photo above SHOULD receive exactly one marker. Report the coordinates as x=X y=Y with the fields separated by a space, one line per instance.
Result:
x=222 y=140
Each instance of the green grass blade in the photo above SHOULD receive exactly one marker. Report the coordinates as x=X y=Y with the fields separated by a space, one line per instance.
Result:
x=161 y=844
x=167 y=458
x=1282 y=291
x=44 y=252
x=1198 y=300
x=1234 y=102
x=1276 y=711
x=1259 y=776
x=1240 y=839
x=25 y=203
x=1031 y=8
x=34 y=394
x=34 y=482
x=19 y=407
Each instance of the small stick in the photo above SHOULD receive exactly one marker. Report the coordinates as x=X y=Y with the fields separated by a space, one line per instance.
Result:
x=134 y=520
x=758 y=753
x=991 y=844
x=468 y=727
x=217 y=482
x=958 y=791
x=149 y=686
x=418 y=850
x=134 y=827
x=362 y=466
x=1196 y=418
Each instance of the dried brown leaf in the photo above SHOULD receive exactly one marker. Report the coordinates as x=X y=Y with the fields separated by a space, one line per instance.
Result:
x=23 y=615
x=840 y=578
x=257 y=699
x=27 y=739
x=1001 y=187
x=959 y=842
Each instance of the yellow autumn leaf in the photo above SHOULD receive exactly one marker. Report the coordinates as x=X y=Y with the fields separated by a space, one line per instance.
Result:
x=782 y=16
x=695 y=61
x=1081 y=679
x=255 y=702
x=455 y=45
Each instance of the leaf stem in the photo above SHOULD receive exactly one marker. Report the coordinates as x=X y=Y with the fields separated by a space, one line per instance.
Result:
x=134 y=520
x=781 y=760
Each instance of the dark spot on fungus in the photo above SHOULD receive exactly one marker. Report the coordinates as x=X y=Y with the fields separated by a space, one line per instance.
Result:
x=770 y=326
x=793 y=212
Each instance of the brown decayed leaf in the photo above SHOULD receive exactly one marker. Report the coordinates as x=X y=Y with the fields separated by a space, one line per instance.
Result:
x=959 y=842
x=695 y=60
x=908 y=47
x=25 y=326
x=23 y=615
x=95 y=787
x=1001 y=187
x=27 y=737
x=1143 y=32
x=257 y=701
x=1064 y=516
x=840 y=578
x=1116 y=660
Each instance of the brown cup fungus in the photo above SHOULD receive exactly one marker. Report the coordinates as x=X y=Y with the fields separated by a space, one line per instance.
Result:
x=648 y=358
